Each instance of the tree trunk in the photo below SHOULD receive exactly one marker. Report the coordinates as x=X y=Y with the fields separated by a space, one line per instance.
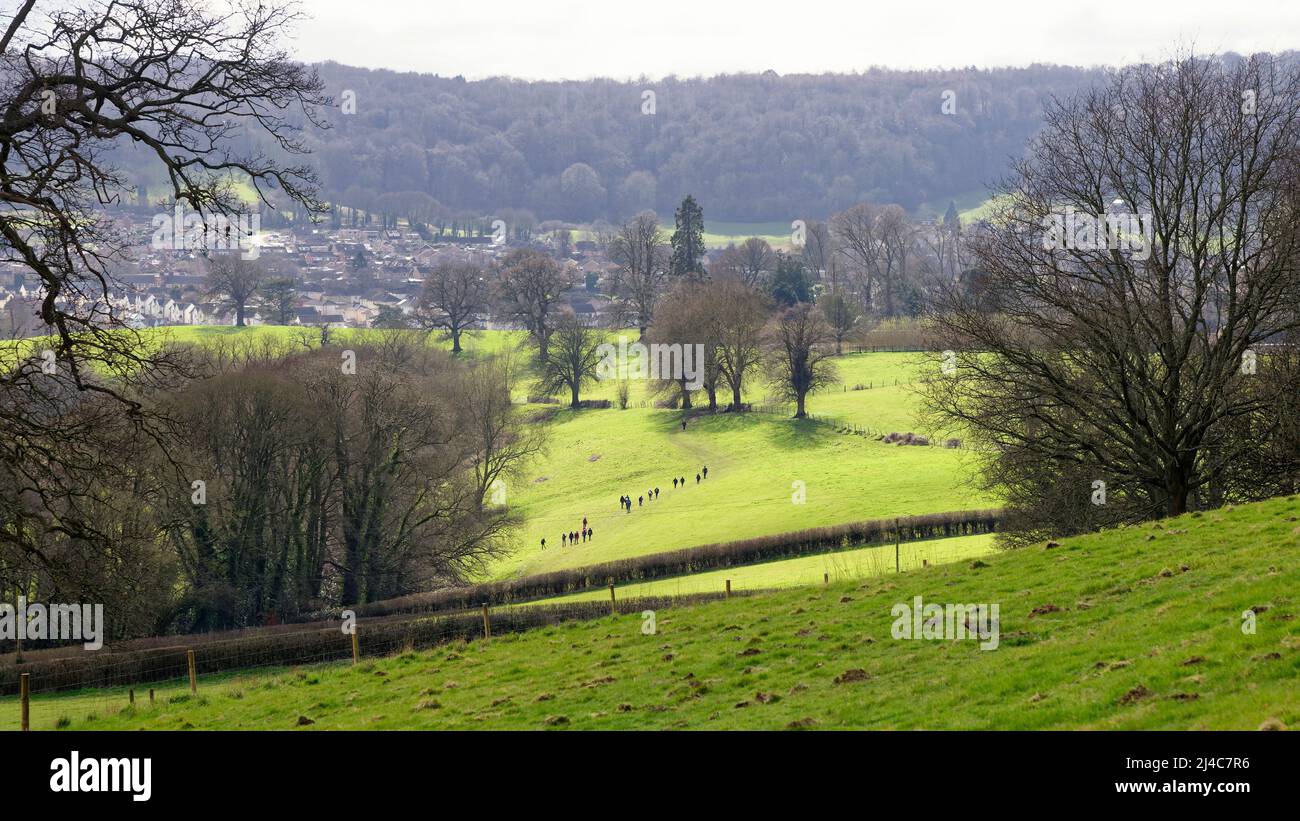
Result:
x=1177 y=492
x=239 y=315
x=455 y=340
x=351 y=581
x=574 y=388
x=799 y=412
x=735 y=396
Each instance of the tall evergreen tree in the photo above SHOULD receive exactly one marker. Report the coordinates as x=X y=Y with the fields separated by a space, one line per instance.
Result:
x=951 y=220
x=279 y=300
x=790 y=285
x=688 y=240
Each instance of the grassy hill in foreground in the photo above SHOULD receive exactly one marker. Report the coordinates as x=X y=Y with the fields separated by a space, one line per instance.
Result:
x=1138 y=628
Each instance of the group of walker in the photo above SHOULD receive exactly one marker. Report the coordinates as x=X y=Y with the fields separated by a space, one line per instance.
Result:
x=625 y=502
x=572 y=536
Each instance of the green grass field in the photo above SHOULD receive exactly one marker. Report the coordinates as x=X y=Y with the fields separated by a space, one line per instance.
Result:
x=1137 y=628
x=755 y=462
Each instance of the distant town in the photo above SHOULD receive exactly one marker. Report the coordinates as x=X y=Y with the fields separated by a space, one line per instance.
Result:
x=342 y=277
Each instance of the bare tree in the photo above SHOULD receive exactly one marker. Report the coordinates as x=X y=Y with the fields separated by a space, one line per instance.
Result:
x=876 y=241
x=740 y=314
x=841 y=316
x=410 y=510
x=501 y=446
x=819 y=249
x=176 y=80
x=686 y=317
x=798 y=354
x=755 y=261
x=749 y=263
x=529 y=287
x=946 y=243
x=454 y=295
x=641 y=257
x=235 y=280
x=572 y=359
x=189 y=89
x=1146 y=256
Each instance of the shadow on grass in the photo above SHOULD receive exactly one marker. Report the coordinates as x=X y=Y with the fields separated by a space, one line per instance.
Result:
x=781 y=431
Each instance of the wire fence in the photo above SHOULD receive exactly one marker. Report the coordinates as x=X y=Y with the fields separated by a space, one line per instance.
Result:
x=107 y=681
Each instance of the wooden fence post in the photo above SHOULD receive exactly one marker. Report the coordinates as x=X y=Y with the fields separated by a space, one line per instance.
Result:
x=898 y=538
x=24 y=695
x=130 y=695
x=487 y=623
x=151 y=695
x=356 y=646
x=826 y=578
x=613 y=604
x=728 y=588
x=194 y=682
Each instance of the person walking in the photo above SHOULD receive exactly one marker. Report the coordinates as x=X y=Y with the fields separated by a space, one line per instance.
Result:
x=706 y=471
x=674 y=483
x=588 y=533
x=683 y=423
x=640 y=500
x=584 y=522
x=564 y=539
x=697 y=478
x=543 y=544
x=656 y=493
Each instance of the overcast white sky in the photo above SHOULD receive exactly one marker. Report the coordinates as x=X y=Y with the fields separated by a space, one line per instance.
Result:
x=575 y=39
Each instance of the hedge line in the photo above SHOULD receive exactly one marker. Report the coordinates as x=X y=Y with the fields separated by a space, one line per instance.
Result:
x=260 y=647
x=692 y=560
